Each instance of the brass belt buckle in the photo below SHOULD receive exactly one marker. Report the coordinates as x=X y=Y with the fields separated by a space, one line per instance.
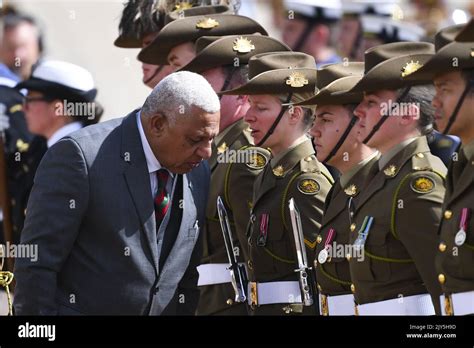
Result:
x=324 y=305
x=253 y=295
x=448 y=305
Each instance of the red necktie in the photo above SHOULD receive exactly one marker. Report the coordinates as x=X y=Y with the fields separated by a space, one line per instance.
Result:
x=162 y=199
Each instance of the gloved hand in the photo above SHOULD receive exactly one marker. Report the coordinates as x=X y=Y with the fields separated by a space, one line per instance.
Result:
x=4 y=119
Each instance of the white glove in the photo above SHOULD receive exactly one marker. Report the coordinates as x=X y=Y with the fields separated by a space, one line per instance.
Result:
x=4 y=119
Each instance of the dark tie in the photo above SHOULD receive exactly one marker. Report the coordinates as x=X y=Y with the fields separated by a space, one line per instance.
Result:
x=162 y=199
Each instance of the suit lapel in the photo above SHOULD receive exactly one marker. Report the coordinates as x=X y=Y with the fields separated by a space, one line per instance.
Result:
x=138 y=180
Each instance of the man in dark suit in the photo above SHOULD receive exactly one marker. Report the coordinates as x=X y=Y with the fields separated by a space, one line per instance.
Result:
x=116 y=208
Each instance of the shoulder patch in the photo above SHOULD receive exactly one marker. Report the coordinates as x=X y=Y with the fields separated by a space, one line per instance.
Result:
x=422 y=184
x=257 y=160
x=308 y=186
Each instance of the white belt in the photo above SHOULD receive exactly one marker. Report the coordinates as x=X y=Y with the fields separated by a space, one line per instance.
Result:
x=274 y=292
x=338 y=305
x=411 y=305
x=461 y=303
x=213 y=273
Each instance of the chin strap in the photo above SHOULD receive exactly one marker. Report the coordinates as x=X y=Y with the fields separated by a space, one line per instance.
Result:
x=277 y=120
x=454 y=115
x=227 y=81
x=157 y=71
x=385 y=117
x=342 y=139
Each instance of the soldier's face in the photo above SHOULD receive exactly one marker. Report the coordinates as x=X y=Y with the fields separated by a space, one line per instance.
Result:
x=181 y=55
x=348 y=32
x=181 y=146
x=449 y=88
x=231 y=105
x=152 y=74
x=330 y=123
x=263 y=111
x=369 y=113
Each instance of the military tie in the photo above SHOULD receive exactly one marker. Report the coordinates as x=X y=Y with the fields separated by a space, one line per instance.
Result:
x=162 y=199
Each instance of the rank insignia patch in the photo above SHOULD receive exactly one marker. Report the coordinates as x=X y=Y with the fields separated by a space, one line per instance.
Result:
x=422 y=184
x=308 y=186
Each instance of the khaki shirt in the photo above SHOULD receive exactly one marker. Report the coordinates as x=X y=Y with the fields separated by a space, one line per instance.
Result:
x=455 y=262
x=404 y=199
x=333 y=275
x=232 y=177
x=299 y=175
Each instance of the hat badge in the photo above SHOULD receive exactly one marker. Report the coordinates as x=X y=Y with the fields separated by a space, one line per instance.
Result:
x=296 y=80
x=472 y=52
x=207 y=23
x=410 y=68
x=243 y=45
x=183 y=5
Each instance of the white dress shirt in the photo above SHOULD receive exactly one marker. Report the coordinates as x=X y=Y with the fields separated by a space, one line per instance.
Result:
x=63 y=131
x=152 y=162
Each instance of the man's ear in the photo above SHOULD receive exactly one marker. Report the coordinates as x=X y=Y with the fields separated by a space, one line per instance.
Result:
x=158 y=123
x=242 y=99
x=295 y=113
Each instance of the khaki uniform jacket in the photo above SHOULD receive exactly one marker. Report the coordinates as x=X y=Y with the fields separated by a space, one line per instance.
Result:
x=333 y=275
x=232 y=180
x=298 y=175
x=455 y=263
x=404 y=199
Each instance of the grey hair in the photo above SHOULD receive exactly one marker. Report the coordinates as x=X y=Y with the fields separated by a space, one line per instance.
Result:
x=178 y=93
x=422 y=95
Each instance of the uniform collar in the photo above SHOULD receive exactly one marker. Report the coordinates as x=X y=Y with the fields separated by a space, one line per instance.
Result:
x=383 y=161
x=275 y=161
x=347 y=177
x=287 y=160
x=63 y=131
x=151 y=161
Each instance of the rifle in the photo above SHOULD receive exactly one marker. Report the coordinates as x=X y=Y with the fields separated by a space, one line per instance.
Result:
x=237 y=272
x=305 y=277
x=6 y=277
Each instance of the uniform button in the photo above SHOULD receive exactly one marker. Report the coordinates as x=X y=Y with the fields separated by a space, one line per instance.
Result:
x=348 y=257
x=320 y=289
x=448 y=214
x=230 y=302
x=319 y=239
x=441 y=278
x=442 y=247
x=353 y=227
x=315 y=263
x=250 y=264
x=420 y=155
x=353 y=288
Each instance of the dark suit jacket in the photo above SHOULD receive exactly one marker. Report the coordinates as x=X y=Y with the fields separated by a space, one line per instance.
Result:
x=91 y=214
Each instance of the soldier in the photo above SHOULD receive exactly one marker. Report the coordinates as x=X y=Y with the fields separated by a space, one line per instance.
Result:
x=174 y=44
x=277 y=80
x=452 y=71
x=235 y=163
x=141 y=22
x=335 y=138
x=394 y=221
x=309 y=28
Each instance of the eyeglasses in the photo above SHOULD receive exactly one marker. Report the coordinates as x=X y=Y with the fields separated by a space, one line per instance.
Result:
x=28 y=100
